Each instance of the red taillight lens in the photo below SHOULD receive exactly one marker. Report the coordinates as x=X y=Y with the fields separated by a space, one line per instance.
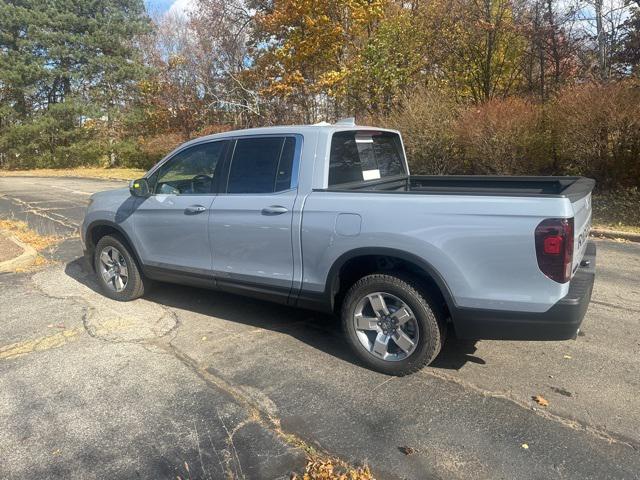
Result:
x=553 y=245
x=554 y=248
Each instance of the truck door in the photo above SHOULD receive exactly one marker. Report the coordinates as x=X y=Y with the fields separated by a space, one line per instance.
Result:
x=171 y=226
x=250 y=225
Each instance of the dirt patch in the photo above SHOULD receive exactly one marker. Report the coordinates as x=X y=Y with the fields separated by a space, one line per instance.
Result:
x=8 y=249
x=22 y=232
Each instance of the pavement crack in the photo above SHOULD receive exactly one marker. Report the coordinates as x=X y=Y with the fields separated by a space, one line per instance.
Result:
x=230 y=443
x=102 y=319
x=202 y=466
x=29 y=207
x=613 y=305
x=567 y=422
x=215 y=450
x=256 y=414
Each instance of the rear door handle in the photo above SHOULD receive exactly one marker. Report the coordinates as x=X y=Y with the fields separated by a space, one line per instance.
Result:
x=194 y=209
x=274 y=210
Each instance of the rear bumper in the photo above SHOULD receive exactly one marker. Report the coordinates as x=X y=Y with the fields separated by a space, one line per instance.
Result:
x=560 y=322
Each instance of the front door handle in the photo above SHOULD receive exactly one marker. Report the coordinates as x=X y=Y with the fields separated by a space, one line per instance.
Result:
x=194 y=209
x=274 y=210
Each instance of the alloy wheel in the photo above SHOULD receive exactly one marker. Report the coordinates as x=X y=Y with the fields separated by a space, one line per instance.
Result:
x=113 y=269
x=385 y=326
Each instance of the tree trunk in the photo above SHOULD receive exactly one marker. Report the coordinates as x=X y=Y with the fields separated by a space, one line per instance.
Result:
x=486 y=74
x=539 y=43
x=555 y=53
x=601 y=40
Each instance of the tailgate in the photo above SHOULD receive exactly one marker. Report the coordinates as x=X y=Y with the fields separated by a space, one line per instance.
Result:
x=582 y=226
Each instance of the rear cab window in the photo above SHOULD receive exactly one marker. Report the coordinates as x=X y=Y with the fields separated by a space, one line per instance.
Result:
x=365 y=155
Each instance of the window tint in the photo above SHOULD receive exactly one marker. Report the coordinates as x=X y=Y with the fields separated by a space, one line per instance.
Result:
x=357 y=156
x=285 y=167
x=261 y=165
x=190 y=172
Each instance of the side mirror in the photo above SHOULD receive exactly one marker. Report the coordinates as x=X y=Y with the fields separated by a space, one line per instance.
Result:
x=139 y=188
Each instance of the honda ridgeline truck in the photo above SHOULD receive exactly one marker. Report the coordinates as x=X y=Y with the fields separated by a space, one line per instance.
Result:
x=328 y=217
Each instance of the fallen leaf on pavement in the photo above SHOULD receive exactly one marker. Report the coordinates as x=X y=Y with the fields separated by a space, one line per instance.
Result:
x=407 y=450
x=330 y=469
x=540 y=400
x=562 y=391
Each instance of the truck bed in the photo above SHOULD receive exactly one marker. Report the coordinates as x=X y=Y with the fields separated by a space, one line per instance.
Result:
x=573 y=188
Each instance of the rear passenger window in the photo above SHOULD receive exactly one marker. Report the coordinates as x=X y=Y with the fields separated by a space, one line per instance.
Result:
x=262 y=165
x=358 y=156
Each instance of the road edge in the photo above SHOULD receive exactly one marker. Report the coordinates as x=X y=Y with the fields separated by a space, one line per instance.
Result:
x=615 y=234
x=25 y=259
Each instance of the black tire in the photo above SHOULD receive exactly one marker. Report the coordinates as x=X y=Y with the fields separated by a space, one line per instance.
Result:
x=427 y=311
x=136 y=284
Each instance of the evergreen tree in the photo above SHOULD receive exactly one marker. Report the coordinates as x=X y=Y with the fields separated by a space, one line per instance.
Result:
x=66 y=69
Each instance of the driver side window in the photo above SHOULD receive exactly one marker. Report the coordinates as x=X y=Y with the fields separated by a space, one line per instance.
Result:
x=191 y=171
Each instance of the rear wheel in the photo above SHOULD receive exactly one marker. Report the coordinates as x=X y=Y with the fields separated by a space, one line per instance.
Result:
x=117 y=270
x=392 y=326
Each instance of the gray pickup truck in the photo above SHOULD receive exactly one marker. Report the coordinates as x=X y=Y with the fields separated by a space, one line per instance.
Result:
x=327 y=217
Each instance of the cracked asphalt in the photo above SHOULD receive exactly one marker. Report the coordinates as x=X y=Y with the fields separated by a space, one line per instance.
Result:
x=200 y=384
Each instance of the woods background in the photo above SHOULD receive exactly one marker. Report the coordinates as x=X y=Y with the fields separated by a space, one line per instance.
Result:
x=476 y=86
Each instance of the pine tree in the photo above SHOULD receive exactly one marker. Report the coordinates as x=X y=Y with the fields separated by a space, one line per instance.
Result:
x=66 y=68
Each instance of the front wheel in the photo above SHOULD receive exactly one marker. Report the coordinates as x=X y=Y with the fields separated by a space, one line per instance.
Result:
x=118 y=273
x=391 y=325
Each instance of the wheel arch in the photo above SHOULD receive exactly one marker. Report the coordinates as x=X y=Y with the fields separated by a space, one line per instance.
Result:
x=334 y=287
x=100 y=228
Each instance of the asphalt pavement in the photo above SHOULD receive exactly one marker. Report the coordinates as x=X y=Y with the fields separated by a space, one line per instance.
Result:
x=199 y=384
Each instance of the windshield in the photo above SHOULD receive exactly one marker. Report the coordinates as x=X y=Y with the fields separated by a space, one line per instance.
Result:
x=362 y=155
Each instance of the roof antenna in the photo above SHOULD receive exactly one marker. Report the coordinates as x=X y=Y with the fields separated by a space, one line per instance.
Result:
x=349 y=121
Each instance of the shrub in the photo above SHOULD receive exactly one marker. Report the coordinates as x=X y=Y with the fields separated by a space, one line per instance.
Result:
x=504 y=137
x=156 y=147
x=427 y=120
x=598 y=132
x=618 y=209
x=591 y=130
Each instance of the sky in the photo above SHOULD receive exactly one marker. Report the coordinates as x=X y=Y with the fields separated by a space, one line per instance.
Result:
x=162 y=6
x=180 y=7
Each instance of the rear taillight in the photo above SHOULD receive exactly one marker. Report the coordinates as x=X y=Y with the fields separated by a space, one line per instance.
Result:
x=554 y=248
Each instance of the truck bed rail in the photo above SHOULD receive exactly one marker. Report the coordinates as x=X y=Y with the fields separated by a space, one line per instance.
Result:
x=573 y=188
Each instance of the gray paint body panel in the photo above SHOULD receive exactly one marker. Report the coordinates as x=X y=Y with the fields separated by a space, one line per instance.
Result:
x=481 y=246
x=487 y=260
x=167 y=237
x=249 y=246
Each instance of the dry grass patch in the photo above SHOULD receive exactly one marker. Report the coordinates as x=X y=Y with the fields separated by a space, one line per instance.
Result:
x=85 y=172
x=37 y=263
x=22 y=232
